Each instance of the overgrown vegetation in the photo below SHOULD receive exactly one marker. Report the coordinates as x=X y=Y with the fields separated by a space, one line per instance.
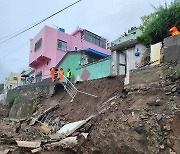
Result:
x=11 y=100
x=155 y=26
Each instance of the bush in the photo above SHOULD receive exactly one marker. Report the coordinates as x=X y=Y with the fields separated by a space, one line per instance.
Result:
x=11 y=100
x=156 y=25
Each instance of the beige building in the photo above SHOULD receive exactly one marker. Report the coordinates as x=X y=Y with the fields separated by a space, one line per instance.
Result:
x=12 y=81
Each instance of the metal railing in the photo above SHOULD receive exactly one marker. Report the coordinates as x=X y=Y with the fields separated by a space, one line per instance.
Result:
x=72 y=90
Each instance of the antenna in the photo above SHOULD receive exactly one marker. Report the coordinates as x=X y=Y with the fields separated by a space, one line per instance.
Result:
x=56 y=26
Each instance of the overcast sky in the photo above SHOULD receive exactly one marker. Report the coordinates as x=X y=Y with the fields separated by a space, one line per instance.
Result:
x=107 y=18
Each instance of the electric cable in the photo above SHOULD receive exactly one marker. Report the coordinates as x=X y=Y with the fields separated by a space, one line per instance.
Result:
x=40 y=22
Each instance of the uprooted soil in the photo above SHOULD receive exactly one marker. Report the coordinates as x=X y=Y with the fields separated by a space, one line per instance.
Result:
x=132 y=121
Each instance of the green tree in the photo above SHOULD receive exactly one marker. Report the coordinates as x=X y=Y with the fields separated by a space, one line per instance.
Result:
x=155 y=26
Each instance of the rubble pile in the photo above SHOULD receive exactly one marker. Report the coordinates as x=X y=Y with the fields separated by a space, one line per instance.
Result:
x=138 y=120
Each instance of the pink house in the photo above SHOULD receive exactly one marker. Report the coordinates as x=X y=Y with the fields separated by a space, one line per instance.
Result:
x=50 y=45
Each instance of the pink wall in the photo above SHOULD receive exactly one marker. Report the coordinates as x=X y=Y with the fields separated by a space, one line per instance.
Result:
x=34 y=55
x=49 y=47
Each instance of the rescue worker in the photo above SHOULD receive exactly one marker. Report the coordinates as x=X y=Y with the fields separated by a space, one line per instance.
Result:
x=69 y=74
x=174 y=31
x=61 y=73
x=56 y=73
x=52 y=71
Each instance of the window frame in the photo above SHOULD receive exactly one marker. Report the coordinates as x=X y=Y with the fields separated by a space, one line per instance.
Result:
x=60 y=48
x=38 y=45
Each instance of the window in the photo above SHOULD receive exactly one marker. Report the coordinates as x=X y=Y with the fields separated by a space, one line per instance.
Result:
x=15 y=78
x=94 y=39
x=38 y=45
x=61 y=45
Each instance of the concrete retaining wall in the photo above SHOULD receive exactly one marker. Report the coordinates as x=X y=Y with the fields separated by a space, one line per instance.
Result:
x=33 y=90
x=172 y=50
x=150 y=74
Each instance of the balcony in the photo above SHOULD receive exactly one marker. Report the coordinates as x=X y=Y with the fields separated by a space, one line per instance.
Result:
x=39 y=61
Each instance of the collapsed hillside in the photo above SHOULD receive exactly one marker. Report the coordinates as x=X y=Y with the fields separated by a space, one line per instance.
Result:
x=139 y=120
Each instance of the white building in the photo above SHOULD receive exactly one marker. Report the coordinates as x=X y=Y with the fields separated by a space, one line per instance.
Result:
x=127 y=53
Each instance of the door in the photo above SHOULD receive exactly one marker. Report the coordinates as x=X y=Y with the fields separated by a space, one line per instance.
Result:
x=122 y=64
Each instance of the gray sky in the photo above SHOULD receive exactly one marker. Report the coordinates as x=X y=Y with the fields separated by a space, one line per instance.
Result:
x=108 y=18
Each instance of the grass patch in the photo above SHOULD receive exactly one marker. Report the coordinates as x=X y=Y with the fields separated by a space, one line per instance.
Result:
x=11 y=100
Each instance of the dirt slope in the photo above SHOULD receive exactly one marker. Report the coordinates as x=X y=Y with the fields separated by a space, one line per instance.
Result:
x=83 y=105
x=143 y=120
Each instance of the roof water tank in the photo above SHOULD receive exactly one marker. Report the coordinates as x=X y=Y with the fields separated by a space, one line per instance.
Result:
x=62 y=30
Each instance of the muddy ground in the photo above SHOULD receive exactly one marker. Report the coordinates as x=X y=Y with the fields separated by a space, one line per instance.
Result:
x=142 y=120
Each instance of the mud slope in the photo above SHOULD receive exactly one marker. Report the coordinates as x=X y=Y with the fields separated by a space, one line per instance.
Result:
x=83 y=105
x=144 y=122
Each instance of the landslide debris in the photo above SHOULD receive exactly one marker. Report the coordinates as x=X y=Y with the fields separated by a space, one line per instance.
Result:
x=141 y=120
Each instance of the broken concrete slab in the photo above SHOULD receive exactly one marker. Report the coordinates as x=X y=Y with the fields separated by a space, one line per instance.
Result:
x=81 y=138
x=29 y=144
x=68 y=129
x=56 y=136
x=69 y=141
x=36 y=150
x=34 y=120
x=6 y=151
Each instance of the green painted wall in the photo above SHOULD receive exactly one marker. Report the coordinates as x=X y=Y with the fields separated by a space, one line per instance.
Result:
x=97 y=70
x=72 y=62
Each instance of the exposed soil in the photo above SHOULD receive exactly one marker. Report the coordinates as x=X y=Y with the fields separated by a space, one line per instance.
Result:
x=138 y=121
x=83 y=105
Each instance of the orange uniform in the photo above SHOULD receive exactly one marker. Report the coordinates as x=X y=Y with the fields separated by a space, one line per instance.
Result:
x=52 y=71
x=61 y=73
x=174 y=31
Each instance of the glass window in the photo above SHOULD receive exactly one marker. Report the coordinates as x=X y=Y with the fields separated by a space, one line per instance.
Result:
x=15 y=78
x=62 y=45
x=94 y=39
x=38 y=45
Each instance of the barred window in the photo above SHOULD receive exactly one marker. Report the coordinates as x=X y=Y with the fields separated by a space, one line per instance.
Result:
x=61 y=45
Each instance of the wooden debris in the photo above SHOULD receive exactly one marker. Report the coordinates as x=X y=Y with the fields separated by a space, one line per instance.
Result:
x=28 y=144
x=45 y=128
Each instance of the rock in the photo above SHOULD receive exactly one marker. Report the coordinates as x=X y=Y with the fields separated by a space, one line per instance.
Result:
x=173 y=88
x=167 y=127
x=159 y=117
x=143 y=117
x=112 y=103
x=162 y=146
x=169 y=143
x=158 y=102
x=168 y=93
x=124 y=119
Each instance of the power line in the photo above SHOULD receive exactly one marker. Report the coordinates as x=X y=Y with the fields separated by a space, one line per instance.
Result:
x=30 y=27
x=12 y=50
x=17 y=32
